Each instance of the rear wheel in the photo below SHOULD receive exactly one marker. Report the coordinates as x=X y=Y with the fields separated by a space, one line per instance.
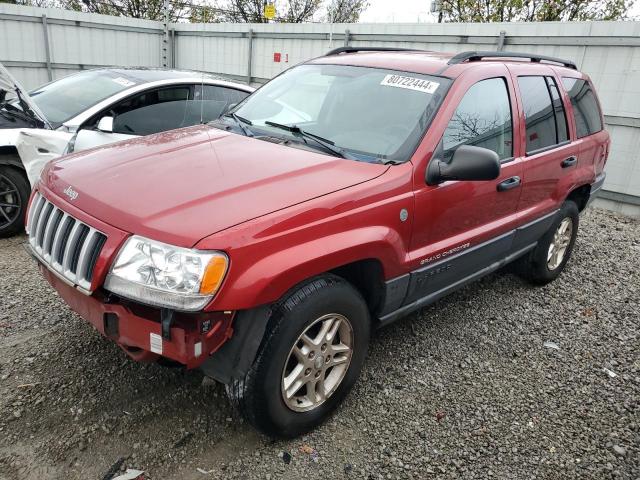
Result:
x=310 y=358
x=14 y=196
x=545 y=263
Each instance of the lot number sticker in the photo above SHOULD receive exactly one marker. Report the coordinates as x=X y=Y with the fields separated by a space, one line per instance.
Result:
x=411 y=83
x=123 y=81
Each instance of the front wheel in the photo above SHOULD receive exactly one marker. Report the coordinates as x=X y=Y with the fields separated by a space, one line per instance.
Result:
x=545 y=263
x=311 y=356
x=14 y=196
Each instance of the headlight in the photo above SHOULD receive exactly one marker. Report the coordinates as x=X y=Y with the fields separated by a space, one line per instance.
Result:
x=70 y=146
x=166 y=276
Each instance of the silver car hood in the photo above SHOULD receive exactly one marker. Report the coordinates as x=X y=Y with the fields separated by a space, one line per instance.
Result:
x=10 y=89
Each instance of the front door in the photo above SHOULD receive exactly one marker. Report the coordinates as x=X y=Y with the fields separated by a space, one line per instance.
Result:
x=461 y=227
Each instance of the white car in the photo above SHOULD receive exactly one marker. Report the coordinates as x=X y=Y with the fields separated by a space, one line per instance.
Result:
x=92 y=108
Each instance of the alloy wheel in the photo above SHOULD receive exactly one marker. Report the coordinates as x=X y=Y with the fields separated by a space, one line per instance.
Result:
x=317 y=362
x=10 y=203
x=560 y=243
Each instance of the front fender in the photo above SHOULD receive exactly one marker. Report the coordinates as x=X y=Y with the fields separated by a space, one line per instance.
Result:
x=271 y=276
x=37 y=147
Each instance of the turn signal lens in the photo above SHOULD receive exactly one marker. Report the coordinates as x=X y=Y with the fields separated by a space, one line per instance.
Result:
x=213 y=275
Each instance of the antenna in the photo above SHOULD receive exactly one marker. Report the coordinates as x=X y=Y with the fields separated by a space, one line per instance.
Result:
x=202 y=85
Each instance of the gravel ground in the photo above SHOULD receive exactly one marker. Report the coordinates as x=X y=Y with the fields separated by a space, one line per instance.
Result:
x=466 y=388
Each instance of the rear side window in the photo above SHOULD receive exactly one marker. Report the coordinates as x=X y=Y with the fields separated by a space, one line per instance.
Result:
x=483 y=119
x=545 y=118
x=585 y=106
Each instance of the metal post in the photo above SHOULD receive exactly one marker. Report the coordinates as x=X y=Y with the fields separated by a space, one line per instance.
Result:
x=173 y=48
x=47 y=47
x=346 y=38
x=250 y=55
x=165 y=34
x=501 y=40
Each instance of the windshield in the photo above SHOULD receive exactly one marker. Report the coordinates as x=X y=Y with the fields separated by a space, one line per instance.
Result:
x=379 y=113
x=63 y=99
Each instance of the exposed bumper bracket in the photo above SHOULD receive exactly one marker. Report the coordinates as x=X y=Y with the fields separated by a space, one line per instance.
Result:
x=166 y=319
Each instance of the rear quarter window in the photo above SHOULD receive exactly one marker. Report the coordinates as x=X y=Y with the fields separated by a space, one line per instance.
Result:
x=585 y=106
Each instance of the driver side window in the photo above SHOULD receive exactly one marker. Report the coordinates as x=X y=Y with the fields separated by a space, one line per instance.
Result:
x=483 y=119
x=152 y=111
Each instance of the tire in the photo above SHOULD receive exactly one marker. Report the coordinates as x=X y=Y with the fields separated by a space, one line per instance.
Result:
x=537 y=267
x=14 y=197
x=260 y=395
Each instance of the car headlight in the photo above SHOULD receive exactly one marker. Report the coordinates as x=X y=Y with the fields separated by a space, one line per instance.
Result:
x=166 y=276
x=71 y=146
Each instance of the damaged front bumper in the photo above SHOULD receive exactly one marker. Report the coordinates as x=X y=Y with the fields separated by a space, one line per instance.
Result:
x=188 y=339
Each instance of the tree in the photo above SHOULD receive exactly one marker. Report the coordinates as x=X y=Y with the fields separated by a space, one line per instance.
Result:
x=291 y=11
x=345 y=11
x=532 y=10
x=147 y=9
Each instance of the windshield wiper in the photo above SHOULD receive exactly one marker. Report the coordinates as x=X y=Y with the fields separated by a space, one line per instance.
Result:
x=389 y=161
x=328 y=145
x=239 y=121
x=10 y=112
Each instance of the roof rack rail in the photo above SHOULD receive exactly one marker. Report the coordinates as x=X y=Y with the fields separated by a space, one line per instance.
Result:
x=337 y=51
x=477 y=56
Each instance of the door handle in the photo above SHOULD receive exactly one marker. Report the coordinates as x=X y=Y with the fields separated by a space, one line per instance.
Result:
x=508 y=184
x=569 y=162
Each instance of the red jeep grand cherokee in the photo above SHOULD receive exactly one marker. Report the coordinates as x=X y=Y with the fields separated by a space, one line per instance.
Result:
x=342 y=195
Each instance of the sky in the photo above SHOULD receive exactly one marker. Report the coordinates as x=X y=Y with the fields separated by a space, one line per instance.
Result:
x=410 y=11
x=397 y=11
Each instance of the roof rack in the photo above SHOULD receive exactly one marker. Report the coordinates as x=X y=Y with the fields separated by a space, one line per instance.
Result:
x=477 y=56
x=337 y=51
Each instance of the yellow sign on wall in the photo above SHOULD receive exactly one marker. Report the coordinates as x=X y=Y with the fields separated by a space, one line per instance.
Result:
x=270 y=11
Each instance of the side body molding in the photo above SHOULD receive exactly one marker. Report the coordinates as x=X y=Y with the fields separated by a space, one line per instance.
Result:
x=421 y=287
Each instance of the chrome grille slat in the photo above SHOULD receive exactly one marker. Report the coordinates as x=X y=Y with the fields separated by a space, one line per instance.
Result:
x=42 y=220
x=52 y=225
x=85 y=256
x=57 y=241
x=36 y=206
x=70 y=248
x=63 y=243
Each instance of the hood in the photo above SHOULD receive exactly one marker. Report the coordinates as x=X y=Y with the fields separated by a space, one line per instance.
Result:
x=181 y=186
x=11 y=91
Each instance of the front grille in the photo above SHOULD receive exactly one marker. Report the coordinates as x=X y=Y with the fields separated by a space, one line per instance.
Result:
x=63 y=243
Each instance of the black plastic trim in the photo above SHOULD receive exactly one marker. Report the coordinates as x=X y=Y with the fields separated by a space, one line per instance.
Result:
x=436 y=276
x=596 y=187
x=339 y=50
x=432 y=282
x=546 y=149
x=237 y=354
x=395 y=293
x=479 y=55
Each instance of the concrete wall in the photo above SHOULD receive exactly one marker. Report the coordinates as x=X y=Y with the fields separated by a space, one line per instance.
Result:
x=607 y=51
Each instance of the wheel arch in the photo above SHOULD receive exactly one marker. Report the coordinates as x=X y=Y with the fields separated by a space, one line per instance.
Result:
x=367 y=277
x=580 y=196
x=10 y=157
x=353 y=255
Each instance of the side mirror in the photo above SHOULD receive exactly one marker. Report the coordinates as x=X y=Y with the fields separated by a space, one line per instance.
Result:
x=229 y=107
x=106 y=124
x=468 y=163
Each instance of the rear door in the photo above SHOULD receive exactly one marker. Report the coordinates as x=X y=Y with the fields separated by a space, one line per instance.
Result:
x=550 y=158
x=586 y=116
